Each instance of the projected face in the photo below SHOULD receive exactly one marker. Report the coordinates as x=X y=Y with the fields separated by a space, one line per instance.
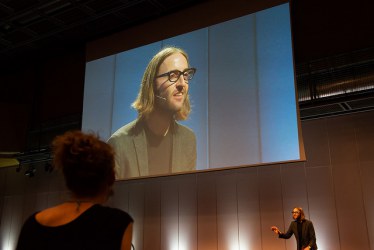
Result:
x=245 y=81
x=172 y=83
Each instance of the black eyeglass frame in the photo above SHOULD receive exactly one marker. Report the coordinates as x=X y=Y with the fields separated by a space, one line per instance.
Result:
x=179 y=72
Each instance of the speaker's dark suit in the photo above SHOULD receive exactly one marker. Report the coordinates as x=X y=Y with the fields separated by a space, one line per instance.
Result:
x=308 y=234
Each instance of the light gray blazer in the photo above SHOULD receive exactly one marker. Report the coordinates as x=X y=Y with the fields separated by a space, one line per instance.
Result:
x=130 y=145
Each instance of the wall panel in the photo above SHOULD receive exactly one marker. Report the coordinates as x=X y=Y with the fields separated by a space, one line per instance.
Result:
x=14 y=182
x=207 y=211
x=322 y=207
x=294 y=187
x=152 y=215
x=227 y=211
x=367 y=169
x=350 y=207
x=187 y=201
x=169 y=214
x=365 y=140
x=342 y=140
x=294 y=194
x=317 y=142
x=120 y=196
x=137 y=211
x=249 y=209
x=233 y=209
x=271 y=206
x=11 y=221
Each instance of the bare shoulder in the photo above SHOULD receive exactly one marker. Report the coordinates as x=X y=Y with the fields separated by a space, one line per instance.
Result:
x=59 y=215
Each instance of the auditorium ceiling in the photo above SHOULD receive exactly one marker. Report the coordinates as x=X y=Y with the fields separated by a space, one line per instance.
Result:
x=34 y=28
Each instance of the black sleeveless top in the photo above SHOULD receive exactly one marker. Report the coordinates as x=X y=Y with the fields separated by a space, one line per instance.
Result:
x=98 y=227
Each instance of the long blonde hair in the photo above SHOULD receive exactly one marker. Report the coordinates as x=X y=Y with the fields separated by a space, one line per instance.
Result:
x=144 y=103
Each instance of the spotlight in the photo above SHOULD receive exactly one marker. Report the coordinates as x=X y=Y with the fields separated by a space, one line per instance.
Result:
x=31 y=171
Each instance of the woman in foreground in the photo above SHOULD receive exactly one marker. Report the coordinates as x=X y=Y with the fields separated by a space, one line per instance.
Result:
x=82 y=222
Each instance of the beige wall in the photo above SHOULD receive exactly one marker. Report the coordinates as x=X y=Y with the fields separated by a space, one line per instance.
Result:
x=234 y=209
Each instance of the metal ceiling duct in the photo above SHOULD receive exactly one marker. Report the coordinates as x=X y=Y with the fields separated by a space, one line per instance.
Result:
x=336 y=85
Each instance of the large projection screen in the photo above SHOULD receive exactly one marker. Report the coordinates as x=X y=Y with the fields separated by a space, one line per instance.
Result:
x=244 y=106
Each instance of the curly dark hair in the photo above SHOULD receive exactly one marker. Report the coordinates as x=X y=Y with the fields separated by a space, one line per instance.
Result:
x=86 y=162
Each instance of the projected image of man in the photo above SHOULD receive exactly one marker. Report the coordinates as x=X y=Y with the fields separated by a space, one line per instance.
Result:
x=155 y=143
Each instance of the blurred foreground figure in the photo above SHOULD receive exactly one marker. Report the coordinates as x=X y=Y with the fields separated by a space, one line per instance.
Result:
x=81 y=222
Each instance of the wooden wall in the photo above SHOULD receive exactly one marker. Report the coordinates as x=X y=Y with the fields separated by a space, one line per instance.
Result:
x=234 y=209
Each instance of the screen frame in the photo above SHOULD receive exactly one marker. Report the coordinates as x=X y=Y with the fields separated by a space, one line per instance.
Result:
x=301 y=146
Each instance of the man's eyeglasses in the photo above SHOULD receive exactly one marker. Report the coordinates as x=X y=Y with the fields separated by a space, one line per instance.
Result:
x=175 y=74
